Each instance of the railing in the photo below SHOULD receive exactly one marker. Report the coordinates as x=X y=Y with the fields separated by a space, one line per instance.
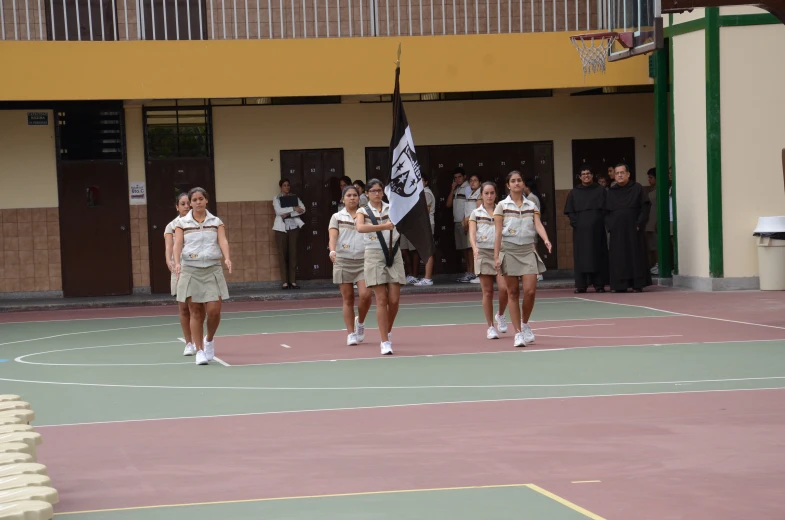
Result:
x=283 y=19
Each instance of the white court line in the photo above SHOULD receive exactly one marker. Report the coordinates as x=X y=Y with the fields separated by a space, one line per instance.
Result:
x=562 y=299
x=422 y=387
x=285 y=345
x=411 y=405
x=221 y=361
x=294 y=331
x=609 y=337
x=21 y=359
x=683 y=314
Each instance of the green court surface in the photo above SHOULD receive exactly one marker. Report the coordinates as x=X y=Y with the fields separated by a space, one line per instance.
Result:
x=519 y=502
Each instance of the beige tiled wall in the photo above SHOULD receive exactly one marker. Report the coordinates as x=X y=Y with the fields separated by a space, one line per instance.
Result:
x=251 y=242
x=140 y=247
x=31 y=250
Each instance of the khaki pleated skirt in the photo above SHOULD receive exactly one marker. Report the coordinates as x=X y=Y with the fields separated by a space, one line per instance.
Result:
x=348 y=270
x=377 y=272
x=202 y=284
x=485 y=264
x=520 y=260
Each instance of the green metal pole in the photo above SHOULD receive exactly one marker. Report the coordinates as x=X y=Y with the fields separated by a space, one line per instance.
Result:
x=714 y=143
x=661 y=162
x=673 y=156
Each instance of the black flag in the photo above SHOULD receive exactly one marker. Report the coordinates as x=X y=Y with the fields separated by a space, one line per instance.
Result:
x=408 y=209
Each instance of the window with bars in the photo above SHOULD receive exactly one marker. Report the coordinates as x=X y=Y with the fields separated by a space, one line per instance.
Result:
x=178 y=132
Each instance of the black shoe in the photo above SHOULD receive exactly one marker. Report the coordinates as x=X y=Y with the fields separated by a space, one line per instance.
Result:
x=580 y=291
x=637 y=290
x=600 y=290
x=284 y=287
x=294 y=286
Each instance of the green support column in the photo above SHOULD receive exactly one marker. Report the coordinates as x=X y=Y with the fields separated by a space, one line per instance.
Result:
x=714 y=142
x=673 y=156
x=661 y=162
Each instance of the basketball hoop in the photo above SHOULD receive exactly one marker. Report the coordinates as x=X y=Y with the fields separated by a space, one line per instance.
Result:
x=594 y=49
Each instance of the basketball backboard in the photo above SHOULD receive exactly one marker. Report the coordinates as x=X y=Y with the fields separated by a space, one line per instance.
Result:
x=638 y=24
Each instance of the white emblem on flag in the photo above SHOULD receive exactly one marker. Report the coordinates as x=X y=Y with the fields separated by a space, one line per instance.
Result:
x=405 y=178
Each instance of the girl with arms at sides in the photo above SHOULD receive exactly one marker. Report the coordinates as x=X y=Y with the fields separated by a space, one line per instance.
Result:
x=383 y=262
x=482 y=236
x=183 y=205
x=517 y=222
x=347 y=253
x=199 y=243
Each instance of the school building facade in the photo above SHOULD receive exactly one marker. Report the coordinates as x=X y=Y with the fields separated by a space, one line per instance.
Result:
x=97 y=137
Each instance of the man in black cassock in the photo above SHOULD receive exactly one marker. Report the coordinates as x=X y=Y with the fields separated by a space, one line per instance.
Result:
x=626 y=214
x=585 y=207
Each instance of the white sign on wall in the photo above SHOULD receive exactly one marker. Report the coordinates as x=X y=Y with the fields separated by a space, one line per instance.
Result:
x=138 y=193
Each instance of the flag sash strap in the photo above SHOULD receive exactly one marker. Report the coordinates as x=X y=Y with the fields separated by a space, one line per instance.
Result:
x=388 y=258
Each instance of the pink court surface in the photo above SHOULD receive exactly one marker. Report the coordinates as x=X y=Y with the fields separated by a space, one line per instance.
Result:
x=663 y=405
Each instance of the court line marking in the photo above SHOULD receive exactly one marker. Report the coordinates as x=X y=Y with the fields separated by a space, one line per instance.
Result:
x=221 y=361
x=333 y=311
x=413 y=387
x=337 y=294
x=19 y=359
x=303 y=497
x=410 y=405
x=585 y=481
x=284 y=345
x=303 y=331
x=684 y=314
x=564 y=502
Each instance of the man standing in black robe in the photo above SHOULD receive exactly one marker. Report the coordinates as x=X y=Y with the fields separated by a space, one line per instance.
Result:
x=626 y=214
x=585 y=207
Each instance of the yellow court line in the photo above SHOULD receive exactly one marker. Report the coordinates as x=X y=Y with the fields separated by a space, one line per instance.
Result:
x=564 y=502
x=585 y=481
x=273 y=499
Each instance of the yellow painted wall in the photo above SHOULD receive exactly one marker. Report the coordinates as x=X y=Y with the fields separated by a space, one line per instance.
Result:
x=28 y=170
x=690 y=132
x=248 y=139
x=753 y=136
x=303 y=67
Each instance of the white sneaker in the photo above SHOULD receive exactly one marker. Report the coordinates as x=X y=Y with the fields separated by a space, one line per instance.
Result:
x=386 y=348
x=201 y=359
x=501 y=323
x=424 y=281
x=351 y=339
x=389 y=337
x=209 y=349
x=519 y=341
x=411 y=279
x=492 y=334
x=465 y=278
x=476 y=279
x=655 y=269
x=190 y=349
x=540 y=278
x=528 y=335
x=359 y=329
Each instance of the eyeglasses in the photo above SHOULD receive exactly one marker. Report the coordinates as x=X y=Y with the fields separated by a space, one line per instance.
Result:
x=375 y=191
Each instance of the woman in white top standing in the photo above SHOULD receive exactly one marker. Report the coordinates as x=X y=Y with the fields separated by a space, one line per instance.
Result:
x=347 y=253
x=383 y=262
x=183 y=205
x=287 y=228
x=517 y=222
x=482 y=236
x=472 y=202
x=199 y=243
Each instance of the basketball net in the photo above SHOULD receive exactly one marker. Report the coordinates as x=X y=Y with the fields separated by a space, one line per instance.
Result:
x=593 y=50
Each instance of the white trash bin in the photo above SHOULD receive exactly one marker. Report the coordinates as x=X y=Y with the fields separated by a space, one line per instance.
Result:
x=770 y=235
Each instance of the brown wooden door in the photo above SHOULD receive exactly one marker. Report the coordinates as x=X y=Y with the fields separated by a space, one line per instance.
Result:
x=95 y=237
x=166 y=178
x=314 y=176
x=601 y=154
x=545 y=189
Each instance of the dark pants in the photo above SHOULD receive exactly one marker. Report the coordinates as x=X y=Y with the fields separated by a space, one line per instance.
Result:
x=583 y=280
x=287 y=254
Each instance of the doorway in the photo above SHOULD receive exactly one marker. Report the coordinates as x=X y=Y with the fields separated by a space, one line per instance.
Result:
x=178 y=153
x=492 y=162
x=314 y=176
x=92 y=183
x=601 y=154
